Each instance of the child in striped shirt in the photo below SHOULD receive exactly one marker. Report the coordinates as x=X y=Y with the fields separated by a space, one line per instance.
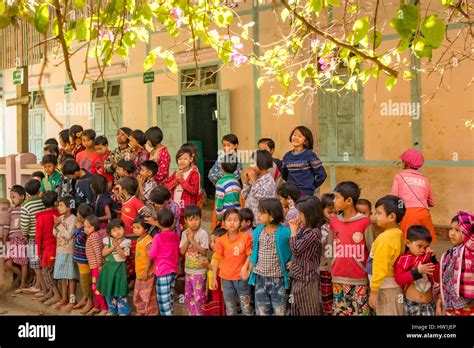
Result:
x=227 y=187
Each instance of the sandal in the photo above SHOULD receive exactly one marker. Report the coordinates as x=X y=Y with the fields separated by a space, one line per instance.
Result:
x=60 y=304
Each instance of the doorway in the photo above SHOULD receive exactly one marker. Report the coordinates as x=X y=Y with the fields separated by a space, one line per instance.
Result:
x=36 y=128
x=201 y=130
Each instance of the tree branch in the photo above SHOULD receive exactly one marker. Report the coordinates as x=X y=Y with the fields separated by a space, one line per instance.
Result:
x=342 y=44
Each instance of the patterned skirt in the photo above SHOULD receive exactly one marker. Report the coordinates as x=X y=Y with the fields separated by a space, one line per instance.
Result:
x=419 y=309
x=350 y=299
x=17 y=250
x=64 y=267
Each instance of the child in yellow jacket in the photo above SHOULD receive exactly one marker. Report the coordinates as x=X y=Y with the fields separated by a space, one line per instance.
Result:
x=386 y=296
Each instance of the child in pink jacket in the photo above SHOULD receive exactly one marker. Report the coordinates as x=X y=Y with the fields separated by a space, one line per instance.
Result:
x=415 y=190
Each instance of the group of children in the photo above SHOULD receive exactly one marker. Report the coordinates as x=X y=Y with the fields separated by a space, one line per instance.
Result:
x=116 y=221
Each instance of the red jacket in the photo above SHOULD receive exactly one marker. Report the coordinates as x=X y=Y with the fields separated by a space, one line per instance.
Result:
x=191 y=188
x=351 y=242
x=44 y=229
x=406 y=271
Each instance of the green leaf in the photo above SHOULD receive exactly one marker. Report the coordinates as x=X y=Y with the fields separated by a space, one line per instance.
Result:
x=360 y=28
x=406 y=20
x=272 y=100
x=390 y=82
x=353 y=8
x=130 y=38
x=333 y=3
x=55 y=28
x=170 y=61
x=81 y=29
x=142 y=34
x=2 y=7
x=260 y=82
x=4 y=22
x=422 y=48
x=150 y=58
x=316 y=5
x=447 y=3
x=78 y=3
x=433 y=31
x=41 y=18
x=284 y=14
x=378 y=39
x=408 y=74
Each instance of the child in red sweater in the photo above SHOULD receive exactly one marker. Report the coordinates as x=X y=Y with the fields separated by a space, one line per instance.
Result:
x=416 y=271
x=46 y=246
x=87 y=159
x=101 y=145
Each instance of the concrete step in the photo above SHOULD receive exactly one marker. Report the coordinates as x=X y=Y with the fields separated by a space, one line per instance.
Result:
x=28 y=302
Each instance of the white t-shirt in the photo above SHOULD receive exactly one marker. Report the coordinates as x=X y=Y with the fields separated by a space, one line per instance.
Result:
x=193 y=258
x=125 y=244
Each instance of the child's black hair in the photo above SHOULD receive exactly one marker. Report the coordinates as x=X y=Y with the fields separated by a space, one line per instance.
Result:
x=18 y=189
x=126 y=130
x=348 y=189
x=306 y=132
x=231 y=138
x=246 y=214
x=101 y=140
x=69 y=167
x=141 y=220
x=52 y=150
x=90 y=133
x=363 y=201
x=68 y=201
x=51 y=141
x=129 y=184
x=49 y=198
x=65 y=157
x=194 y=149
x=418 y=232
x=312 y=211
x=49 y=159
x=183 y=150
x=99 y=184
x=230 y=163
x=38 y=174
x=165 y=218
x=270 y=143
x=327 y=200
x=192 y=210
x=230 y=212
x=76 y=131
x=154 y=135
x=113 y=224
x=32 y=187
x=139 y=136
x=219 y=232
x=93 y=221
x=263 y=159
x=160 y=194
x=289 y=190
x=85 y=210
x=272 y=207
x=455 y=218
x=64 y=135
x=151 y=166
x=126 y=165
x=392 y=204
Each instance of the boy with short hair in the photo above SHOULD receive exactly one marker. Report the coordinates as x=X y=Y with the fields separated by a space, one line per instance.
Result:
x=29 y=208
x=417 y=270
x=268 y=144
x=52 y=176
x=194 y=245
x=351 y=236
x=73 y=171
x=227 y=187
x=247 y=220
x=87 y=159
x=289 y=194
x=101 y=145
x=385 y=294
x=364 y=207
x=146 y=181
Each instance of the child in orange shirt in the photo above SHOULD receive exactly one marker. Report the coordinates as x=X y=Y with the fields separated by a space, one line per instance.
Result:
x=233 y=252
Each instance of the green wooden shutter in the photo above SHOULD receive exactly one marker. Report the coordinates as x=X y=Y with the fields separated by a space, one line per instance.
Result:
x=170 y=120
x=111 y=126
x=223 y=115
x=36 y=131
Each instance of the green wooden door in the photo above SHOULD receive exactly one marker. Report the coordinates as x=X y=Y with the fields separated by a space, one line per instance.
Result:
x=104 y=124
x=36 y=131
x=170 y=113
x=223 y=115
x=341 y=126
